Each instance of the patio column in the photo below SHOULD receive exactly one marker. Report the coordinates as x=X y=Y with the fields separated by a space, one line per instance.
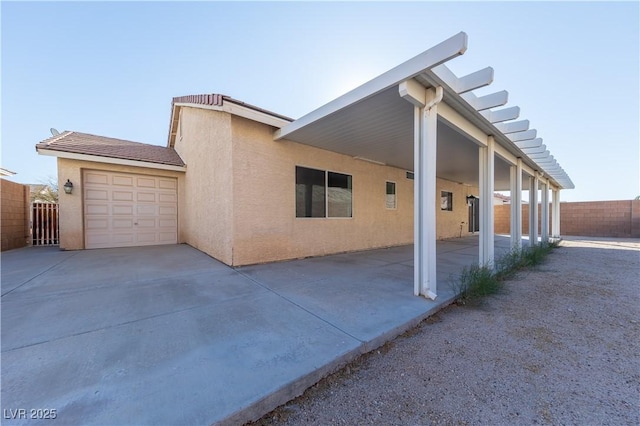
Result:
x=533 y=210
x=486 y=163
x=544 y=201
x=424 y=187
x=555 y=213
x=516 y=205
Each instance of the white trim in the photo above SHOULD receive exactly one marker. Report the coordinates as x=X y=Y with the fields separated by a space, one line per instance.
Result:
x=486 y=165
x=110 y=160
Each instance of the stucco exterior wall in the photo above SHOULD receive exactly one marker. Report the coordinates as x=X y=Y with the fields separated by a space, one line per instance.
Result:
x=266 y=227
x=71 y=205
x=14 y=214
x=455 y=223
x=203 y=141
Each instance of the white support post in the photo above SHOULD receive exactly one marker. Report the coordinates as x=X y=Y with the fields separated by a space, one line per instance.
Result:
x=533 y=210
x=555 y=214
x=544 y=201
x=486 y=166
x=424 y=188
x=516 y=205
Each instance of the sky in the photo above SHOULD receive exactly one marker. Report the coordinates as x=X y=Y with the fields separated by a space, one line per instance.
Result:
x=112 y=68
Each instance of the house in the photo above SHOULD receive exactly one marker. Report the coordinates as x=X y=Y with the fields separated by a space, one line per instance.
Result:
x=399 y=159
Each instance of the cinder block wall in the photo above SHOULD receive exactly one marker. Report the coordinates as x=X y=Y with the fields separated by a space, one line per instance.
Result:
x=590 y=218
x=14 y=214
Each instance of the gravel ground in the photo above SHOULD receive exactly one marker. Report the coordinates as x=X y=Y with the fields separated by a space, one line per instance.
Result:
x=560 y=345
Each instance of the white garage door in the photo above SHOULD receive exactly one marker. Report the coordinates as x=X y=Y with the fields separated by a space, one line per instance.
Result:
x=122 y=210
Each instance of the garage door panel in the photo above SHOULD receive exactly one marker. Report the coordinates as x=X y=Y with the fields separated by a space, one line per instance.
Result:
x=147 y=209
x=144 y=182
x=120 y=180
x=167 y=184
x=146 y=197
x=122 y=196
x=99 y=240
x=147 y=223
x=123 y=239
x=96 y=209
x=96 y=178
x=122 y=223
x=96 y=194
x=124 y=210
x=167 y=237
x=147 y=238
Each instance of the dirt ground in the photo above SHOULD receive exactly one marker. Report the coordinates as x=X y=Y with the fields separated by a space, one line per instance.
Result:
x=560 y=345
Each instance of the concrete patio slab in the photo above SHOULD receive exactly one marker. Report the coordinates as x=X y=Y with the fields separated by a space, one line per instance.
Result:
x=167 y=335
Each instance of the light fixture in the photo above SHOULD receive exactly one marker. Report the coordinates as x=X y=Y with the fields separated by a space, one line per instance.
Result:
x=68 y=187
x=470 y=199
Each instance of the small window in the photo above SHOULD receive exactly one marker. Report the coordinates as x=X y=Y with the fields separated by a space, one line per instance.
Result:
x=391 y=195
x=446 y=201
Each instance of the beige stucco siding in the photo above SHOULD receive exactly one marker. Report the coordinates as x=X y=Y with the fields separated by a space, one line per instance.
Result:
x=266 y=227
x=203 y=141
x=452 y=224
x=71 y=205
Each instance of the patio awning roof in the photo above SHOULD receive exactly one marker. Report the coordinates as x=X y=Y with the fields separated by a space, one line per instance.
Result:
x=373 y=122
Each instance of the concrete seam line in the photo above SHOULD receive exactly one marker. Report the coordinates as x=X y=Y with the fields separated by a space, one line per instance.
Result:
x=295 y=304
x=34 y=277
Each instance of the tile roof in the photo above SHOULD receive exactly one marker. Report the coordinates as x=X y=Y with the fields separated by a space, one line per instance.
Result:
x=83 y=143
x=219 y=100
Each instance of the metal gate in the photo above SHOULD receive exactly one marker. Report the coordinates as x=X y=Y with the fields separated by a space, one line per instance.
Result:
x=44 y=224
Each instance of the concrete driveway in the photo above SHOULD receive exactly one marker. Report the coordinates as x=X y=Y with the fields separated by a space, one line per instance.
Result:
x=168 y=335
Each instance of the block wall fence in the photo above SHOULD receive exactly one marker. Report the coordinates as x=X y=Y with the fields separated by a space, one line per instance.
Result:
x=619 y=219
x=14 y=214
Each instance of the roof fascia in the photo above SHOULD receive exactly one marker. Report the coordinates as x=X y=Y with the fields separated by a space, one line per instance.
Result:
x=440 y=53
x=110 y=160
x=228 y=105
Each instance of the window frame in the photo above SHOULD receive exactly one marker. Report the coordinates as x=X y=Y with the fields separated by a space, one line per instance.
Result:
x=326 y=194
x=449 y=206
x=395 y=195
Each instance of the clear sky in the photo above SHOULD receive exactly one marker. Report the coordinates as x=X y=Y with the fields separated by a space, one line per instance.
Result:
x=111 y=69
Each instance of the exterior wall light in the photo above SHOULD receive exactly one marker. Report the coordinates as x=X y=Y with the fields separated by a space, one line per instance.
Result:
x=68 y=187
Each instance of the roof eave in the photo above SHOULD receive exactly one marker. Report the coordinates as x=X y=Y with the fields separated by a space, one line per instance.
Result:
x=109 y=160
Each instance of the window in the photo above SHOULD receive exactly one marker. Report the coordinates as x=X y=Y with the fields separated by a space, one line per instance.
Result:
x=446 y=201
x=322 y=194
x=391 y=195
x=338 y=194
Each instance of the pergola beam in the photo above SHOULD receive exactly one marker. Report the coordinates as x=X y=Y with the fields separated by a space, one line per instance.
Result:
x=488 y=101
x=475 y=80
x=500 y=115
x=523 y=136
x=529 y=143
x=537 y=150
x=513 y=127
x=460 y=85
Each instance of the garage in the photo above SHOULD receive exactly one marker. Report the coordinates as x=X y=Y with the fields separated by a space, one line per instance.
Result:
x=123 y=210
